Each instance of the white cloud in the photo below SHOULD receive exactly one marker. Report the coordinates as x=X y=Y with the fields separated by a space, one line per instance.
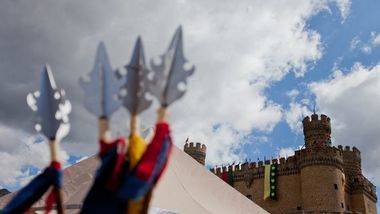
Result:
x=365 y=47
x=239 y=50
x=352 y=102
x=286 y=152
x=344 y=7
x=292 y=94
x=375 y=39
x=20 y=153
x=354 y=43
x=295 y=114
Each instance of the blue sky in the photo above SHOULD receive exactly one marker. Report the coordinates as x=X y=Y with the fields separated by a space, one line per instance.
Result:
x=336 y=36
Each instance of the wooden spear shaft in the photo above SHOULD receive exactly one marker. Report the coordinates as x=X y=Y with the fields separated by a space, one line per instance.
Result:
x=53 y=145
x=103 y=129
x=161 y=117
x=134 y=124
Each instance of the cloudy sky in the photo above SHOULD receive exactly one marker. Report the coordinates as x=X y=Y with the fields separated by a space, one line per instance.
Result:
x=260 y=67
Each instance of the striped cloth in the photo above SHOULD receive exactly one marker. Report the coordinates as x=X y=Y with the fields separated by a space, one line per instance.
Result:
x=270 y=181
x=142 y=178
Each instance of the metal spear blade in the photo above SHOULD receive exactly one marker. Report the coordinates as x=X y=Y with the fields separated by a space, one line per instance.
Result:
x=50 y=106
x=133 y=91
x=102 y=87
x=170 y=77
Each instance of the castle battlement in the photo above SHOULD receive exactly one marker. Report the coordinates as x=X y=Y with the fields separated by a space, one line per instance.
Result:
x=347 y=149
x=316 y=119
x=362 y=184
x=197 y=151
x=285 y=166
x=197 y=146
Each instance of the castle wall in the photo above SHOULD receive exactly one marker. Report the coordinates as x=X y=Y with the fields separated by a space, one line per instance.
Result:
x=347 y=200
x=288 y=193
x=322 y=188
x=362 y=203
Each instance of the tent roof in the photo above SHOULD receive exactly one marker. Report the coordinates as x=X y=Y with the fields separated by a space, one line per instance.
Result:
x=186 y=187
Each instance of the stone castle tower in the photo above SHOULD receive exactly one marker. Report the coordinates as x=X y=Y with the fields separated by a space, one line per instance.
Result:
x=197 y=151
x=319 y=178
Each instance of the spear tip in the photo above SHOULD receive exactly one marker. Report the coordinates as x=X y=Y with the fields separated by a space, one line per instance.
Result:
x=138 y=53
x=47 y=78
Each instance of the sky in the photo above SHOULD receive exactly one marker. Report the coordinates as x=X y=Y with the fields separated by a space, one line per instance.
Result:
x=261 y=66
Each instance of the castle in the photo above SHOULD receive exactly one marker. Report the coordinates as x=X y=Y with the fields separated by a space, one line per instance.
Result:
x=318 y=178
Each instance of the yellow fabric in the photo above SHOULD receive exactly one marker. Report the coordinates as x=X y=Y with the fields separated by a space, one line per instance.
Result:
x=136 y=149
x=135 y=207
x=267 y=182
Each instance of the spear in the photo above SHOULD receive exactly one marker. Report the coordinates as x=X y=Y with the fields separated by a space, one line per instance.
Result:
x=133 y=96
x=52 y=111
x=100 y=91
x=133 y=91
x=170 y=77
x=167 y=76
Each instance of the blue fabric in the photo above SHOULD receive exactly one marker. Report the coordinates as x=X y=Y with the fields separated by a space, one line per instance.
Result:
x=28 y=195
x=135 y=188
x=100 y=199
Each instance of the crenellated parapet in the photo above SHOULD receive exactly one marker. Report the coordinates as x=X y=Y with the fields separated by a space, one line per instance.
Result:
x=256 y=169
x=317 y=130
x=351 y=162
x=286 y=166
x=196 y=151
x=326 y=155
x=362 y=185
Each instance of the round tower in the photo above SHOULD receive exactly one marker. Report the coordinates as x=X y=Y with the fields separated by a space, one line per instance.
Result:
x=317 y=131
x=197 y=151
x=321 y=168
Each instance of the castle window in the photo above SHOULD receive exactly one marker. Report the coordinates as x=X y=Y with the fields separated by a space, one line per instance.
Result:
x=299 y=208
x=342 y=205
x=336 y=186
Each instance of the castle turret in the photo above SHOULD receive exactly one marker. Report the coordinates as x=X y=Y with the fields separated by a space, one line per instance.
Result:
x=352 y=163
x=197 y=151
x=321 y=168
x=317 y=131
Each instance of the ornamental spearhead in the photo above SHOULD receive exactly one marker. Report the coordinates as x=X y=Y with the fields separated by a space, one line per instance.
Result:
x=51 y=107
x=170 y=77
x=102 y=88
x=135 y=88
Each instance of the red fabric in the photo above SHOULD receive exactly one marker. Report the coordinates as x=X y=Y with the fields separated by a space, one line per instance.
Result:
x=56 y=165
x=52 y=197
x=50 y=200
x=106 y=146
x=148 y=160
x=120 y=159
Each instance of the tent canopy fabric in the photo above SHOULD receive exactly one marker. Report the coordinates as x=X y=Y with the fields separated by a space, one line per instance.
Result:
x=186 y=187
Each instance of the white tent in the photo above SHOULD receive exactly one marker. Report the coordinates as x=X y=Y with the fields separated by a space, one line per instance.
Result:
x=186 y=187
